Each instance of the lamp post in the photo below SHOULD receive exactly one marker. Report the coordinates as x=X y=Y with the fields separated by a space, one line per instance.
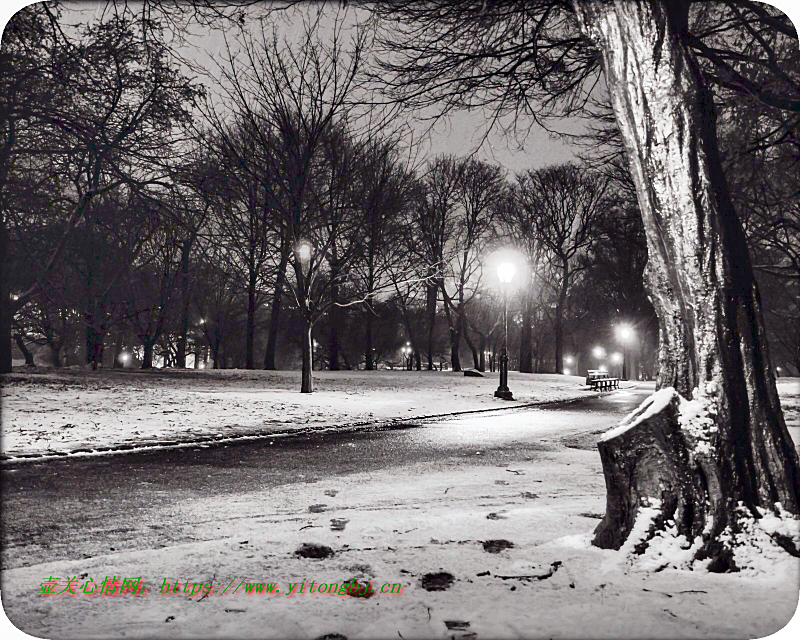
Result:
x=505 y=272
x=624 y=335
x=618 y=358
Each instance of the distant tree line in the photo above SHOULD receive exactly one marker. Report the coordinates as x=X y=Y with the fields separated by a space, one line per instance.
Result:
x=273 y=224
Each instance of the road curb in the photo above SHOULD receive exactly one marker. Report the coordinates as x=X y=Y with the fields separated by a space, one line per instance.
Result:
x=372 y=425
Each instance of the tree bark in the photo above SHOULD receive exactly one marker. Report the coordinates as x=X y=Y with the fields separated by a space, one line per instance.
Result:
x=368 y=331
x=186 y=300
x=275 y=310
x=700 y=280
x=147 y=359
x=525 y=353
x=25 y=351
x=95 y=334
x=6 y=309
x=118 y=350
x=464 y=328
x=430 y=307
x=251 y=318
x=306 y=385
x=560 y=303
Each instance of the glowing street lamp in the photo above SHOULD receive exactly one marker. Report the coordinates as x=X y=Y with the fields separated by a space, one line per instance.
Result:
x=625 y=336
x=598 y=352
x=303 y=249
x=505 y=271
x=407 y=351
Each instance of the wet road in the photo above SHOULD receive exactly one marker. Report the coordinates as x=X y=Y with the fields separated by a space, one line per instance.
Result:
x=81 y=507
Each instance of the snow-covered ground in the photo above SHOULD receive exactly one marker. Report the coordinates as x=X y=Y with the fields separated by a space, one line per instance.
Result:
x=48 y=411
x=789 y=393
x=515 y=539
x=397 y=526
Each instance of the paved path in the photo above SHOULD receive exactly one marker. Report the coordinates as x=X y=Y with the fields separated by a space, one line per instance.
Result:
x=82 y=507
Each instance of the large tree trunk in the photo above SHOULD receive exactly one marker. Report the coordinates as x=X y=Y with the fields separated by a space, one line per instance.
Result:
x=712 y=338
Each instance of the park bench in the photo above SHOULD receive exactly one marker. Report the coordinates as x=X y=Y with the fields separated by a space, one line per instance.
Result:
x=604 y=383
x=593 y=374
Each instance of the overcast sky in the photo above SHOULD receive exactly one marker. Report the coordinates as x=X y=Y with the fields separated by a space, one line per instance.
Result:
x=460 y=134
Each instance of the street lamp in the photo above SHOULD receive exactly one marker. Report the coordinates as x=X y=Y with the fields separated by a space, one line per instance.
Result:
x=505 y=272
x=624 y=335
x=303 y=250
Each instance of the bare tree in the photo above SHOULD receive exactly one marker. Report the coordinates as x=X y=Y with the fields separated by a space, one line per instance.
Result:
x=295 y=96
x=564 y=203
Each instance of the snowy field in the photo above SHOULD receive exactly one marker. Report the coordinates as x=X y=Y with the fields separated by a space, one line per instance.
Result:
x=46 y=412
x=481 y=552
x=512 y=539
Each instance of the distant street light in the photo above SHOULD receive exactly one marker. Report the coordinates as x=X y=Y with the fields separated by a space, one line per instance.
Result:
x=407 y=351
x=303 y=249
x=598 y=352
x=568 y=360
x=625 y=336
x=505 y=272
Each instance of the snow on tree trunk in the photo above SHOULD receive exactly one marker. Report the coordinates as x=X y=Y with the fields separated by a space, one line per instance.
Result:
x=712 y=339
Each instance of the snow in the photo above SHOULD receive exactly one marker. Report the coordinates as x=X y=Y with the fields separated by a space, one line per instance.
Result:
x=651 y=406
x=48 y=412
x=697 y=418
x=404 y=522
x=401 y=525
